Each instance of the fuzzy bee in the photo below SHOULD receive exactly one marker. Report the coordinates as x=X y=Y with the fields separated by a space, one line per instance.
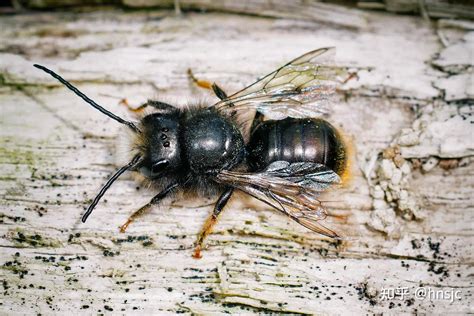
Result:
x=263 y=140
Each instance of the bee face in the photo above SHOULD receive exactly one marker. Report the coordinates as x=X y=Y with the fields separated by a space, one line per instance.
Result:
x=159 y=144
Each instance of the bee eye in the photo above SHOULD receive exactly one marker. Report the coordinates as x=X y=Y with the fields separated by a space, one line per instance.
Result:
x=159 y=166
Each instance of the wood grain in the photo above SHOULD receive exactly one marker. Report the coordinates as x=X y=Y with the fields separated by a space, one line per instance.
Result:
x=407 y=215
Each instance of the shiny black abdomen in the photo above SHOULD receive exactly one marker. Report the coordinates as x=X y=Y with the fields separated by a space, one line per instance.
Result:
x=293 y=140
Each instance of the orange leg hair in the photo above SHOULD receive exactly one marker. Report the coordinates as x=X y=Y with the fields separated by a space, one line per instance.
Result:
x=142 y=210
x=132 y=109
x=147 y=207
x=200 y=83
x=211 y=221
x=208 y=85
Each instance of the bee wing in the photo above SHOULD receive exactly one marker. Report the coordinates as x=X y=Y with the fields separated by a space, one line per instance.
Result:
x=301 y=88
x=291 y=188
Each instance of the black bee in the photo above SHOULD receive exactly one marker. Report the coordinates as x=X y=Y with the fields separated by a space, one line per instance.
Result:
x=236 y=145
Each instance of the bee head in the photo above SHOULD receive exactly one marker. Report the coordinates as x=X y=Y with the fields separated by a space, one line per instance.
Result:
x=159 y=145
x=157 y=140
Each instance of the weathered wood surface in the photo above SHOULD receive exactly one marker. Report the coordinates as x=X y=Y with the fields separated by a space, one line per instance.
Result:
x=407 y=216
x=426 y=8
x=314 y=10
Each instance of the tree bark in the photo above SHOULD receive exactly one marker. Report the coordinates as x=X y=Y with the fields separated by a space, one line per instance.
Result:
x=406 y=216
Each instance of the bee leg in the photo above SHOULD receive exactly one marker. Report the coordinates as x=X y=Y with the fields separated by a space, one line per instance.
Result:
x=131 y=108
x=145 y=208
x=162 y=106
x=200 y=83
x=219 y=92
x=208 y=85
x=211 y=221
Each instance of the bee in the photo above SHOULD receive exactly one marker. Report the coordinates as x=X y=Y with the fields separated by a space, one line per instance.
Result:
x=267 y=140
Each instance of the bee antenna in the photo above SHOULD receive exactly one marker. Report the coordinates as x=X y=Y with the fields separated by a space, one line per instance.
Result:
x=131 y=165
x=87 y=99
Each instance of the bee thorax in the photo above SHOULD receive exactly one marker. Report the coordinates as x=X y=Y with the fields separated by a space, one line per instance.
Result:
x=211 y=142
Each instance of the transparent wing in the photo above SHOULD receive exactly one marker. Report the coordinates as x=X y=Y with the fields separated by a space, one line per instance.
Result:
x=301 y=88
x=291 y=188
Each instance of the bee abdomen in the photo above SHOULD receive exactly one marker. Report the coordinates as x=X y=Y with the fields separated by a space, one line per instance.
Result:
x=293 y=140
